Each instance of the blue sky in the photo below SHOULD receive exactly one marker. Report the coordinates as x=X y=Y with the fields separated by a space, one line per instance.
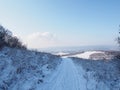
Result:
x=55 y=23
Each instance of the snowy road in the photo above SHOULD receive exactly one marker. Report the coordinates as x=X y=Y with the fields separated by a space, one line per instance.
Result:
x=65 y=78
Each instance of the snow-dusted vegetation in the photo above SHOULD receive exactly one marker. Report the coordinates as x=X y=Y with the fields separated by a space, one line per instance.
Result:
x=100 y=74
x=7 y=39
x=24 y=69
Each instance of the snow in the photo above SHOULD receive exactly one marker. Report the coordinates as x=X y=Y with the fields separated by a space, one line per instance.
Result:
x=61 y=53
x=86 y=55
x=65 y=78
x=24 y=69
x=69 y=76
x=30 y=70
x=100 y=74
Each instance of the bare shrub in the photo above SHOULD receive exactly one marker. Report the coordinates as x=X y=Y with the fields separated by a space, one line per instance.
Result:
x=7 y=39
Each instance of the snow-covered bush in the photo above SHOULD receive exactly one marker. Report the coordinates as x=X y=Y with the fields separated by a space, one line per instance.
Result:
x=22 y=69
x=7 y=39
x=106 y=71
x=118 y=41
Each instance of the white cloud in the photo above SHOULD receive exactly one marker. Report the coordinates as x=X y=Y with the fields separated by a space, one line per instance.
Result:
x=40 y=40
x=46 y=39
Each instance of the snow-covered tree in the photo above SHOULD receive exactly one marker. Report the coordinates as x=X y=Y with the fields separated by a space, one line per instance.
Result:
x=7 y=39
x=118 y=38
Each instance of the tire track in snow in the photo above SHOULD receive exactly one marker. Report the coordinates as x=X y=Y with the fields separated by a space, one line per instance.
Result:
x=65 y=78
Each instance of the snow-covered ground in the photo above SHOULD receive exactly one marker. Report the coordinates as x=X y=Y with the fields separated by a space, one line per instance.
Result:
x=76 y=75
x=30 y=70
x=61 y=53
x=86 y=55
x=65 y=78
x=93 y=55
x=100 y=74
x=24 y=69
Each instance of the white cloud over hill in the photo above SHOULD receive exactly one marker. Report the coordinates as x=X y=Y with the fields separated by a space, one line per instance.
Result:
x=40 y=40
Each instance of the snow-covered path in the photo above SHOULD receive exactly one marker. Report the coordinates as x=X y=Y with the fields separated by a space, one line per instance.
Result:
x=65 y=78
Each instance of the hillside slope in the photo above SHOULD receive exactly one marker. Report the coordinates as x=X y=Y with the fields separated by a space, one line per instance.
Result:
x=81 y=74
x=100 y=74
x=24 y=69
